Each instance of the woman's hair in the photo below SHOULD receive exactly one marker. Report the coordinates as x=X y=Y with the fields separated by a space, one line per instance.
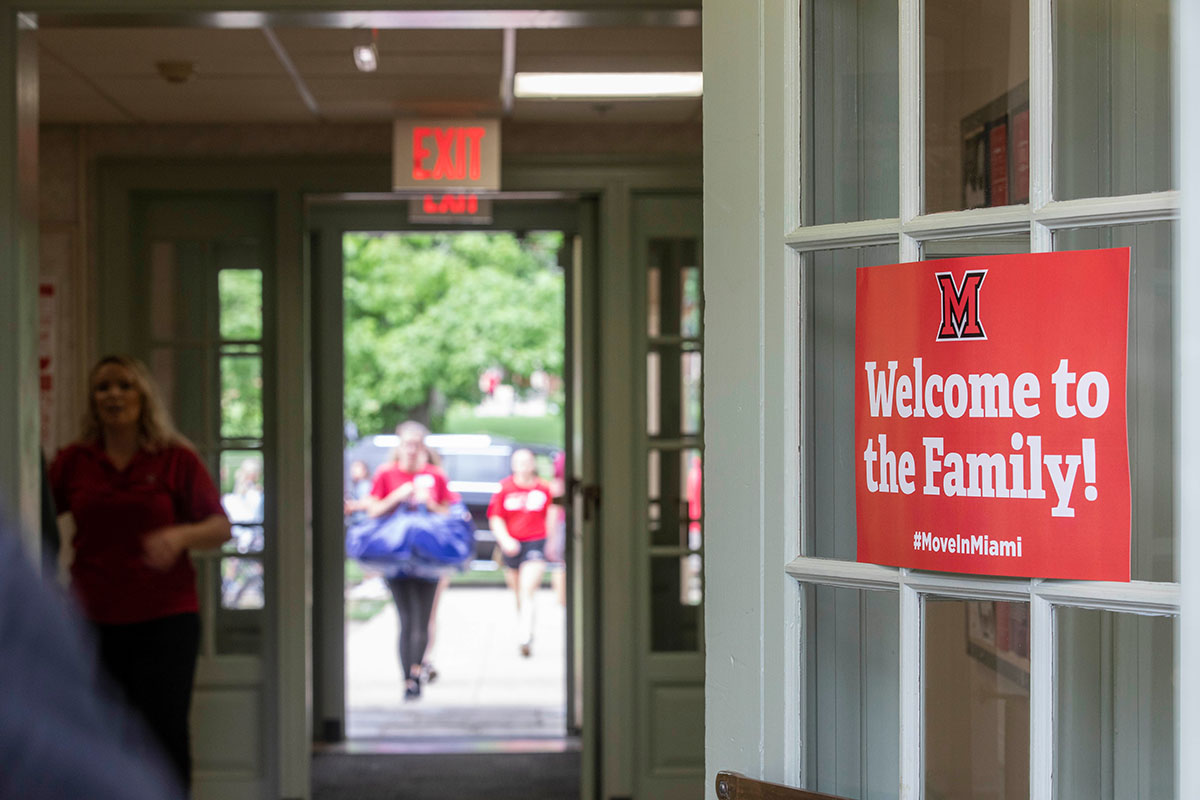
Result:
x=155 y=429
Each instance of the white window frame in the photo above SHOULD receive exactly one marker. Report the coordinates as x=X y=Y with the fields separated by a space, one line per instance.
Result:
x=1040 y=218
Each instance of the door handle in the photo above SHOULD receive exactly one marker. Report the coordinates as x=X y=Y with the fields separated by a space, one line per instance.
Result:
x=589 y=494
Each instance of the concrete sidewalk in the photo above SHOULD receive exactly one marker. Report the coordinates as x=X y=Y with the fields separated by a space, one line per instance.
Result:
x=484 y=689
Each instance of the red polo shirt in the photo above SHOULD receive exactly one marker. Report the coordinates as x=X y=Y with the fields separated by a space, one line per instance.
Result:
x=113 y=510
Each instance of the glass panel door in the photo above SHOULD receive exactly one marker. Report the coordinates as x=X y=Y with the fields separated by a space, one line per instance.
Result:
x=203 y=334
x=670 y=677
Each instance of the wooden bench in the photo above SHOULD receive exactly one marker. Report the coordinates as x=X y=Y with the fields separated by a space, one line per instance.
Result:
x=734 y=786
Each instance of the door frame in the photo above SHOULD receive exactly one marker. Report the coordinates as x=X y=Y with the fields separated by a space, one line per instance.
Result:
x=328 y=219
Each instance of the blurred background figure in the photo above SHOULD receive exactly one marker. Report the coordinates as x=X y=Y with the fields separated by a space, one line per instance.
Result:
x=358 y=493
x=410 y=481
x=521 y=516
x=557 y=542
x=140 y=499
x=245 y=505
x=63 y=732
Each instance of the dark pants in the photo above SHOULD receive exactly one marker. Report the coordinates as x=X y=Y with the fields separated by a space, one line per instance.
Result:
x=414 y=601
x=154 y=664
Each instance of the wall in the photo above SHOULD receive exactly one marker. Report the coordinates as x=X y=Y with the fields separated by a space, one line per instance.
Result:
x=69 y=154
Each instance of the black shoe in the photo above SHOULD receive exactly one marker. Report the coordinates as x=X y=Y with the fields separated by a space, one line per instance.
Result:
x=412 y=689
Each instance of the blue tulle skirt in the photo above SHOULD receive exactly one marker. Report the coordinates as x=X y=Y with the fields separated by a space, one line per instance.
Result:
x=414 y=541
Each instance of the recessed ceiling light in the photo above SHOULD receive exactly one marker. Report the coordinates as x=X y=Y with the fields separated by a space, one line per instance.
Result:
x=366 y=57
x=602 y=85
x=366 y=52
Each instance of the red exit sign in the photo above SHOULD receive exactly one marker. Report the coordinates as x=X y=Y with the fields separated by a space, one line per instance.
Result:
x=464 y=208
x=458 y=154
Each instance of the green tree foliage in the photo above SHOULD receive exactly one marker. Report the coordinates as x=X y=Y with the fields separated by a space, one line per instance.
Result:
x=426 y=314
x=240 y=295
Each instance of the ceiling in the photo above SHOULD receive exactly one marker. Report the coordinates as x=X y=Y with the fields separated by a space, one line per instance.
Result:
x=296 y=75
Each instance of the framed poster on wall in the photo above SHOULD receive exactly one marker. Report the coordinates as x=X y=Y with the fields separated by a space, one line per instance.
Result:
x=995 y=151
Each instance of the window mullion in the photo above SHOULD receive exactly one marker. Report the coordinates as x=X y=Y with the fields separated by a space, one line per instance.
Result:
x=1043 y=656
x=1041 y=238
x=912 y=776
x=912 y=195
x=1041 y=103
x=911 y=133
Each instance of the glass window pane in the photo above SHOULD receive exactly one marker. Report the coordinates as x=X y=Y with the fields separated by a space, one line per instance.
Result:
x=853 y=112
x=1150 y=387
x=241 y=583
x=976 y=103
x=673 y=290
x=238 y=623
x=690 y=397
x=243 y=499
x=653 y=290
x=241 y=397
x=1007 y=244
x=653 y=393
x=976 y=683
x=675 y=597
x=692 y=291
x=1112 y=94
x=853 y=724
x=1115 y=706
x=675 y=492
x=674 y=400
x=828 y=385
x=241 y=303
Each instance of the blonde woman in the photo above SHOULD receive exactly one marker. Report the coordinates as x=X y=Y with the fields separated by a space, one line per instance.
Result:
x=141 y=499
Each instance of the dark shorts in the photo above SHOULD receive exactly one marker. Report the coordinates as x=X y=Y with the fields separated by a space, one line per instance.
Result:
x=533 y=550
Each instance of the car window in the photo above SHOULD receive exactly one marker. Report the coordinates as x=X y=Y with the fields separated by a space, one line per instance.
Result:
x=483 y=467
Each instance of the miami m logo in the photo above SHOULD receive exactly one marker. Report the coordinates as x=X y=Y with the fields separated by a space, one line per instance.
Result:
x=960 y=306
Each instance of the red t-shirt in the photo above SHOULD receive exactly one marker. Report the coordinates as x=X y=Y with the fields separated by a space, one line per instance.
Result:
x=113 y=510
x=523 y=509
x=390 y=477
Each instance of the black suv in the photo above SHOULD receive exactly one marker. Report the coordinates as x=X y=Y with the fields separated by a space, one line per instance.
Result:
x=474 y=465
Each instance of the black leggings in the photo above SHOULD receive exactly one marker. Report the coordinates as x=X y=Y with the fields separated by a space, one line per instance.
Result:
x=414 y=600
x=154 y=664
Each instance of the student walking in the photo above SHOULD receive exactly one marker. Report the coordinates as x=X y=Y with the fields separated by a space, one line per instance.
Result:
x=522 y=515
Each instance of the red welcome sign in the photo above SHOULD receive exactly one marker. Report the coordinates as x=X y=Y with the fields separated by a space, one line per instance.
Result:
x=989 y=415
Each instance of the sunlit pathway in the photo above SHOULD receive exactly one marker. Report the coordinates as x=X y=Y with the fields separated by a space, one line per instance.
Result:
x=485 y=688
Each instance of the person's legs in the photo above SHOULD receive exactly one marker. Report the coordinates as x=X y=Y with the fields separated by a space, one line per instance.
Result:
x=558 y=582
x=428 y=672
x=154 y=663
x=414 y=602
x=400 y=598
x=529 y=579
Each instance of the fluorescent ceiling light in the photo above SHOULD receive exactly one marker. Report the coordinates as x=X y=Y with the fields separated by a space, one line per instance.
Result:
x=606 y=85
x=366 y=57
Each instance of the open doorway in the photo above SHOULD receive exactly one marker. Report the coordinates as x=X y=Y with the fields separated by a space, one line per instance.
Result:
x=461 y=332
x=472 y=332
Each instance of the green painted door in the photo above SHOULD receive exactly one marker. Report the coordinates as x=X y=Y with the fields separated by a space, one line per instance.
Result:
x=193 y=291
x=669 y=546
